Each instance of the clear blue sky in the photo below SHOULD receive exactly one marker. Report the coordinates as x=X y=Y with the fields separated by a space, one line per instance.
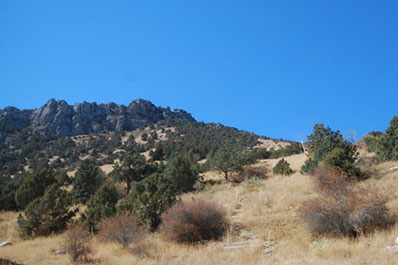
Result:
x=270 y=67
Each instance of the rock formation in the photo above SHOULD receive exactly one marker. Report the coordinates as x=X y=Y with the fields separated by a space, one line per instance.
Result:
x=57 y=117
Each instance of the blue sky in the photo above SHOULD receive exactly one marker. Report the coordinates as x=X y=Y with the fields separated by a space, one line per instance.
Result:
x=270 y=67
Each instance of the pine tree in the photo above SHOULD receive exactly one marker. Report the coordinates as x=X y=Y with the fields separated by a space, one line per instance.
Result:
x=100 y=206
x=387 y=145
x=47 y=214
x=181 y=172
x=34 y=186
x=88 y=179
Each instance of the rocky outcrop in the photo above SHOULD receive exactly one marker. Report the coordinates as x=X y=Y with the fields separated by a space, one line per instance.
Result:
x=57 y=117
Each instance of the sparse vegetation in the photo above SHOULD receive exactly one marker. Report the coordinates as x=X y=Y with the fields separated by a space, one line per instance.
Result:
x=196 y=221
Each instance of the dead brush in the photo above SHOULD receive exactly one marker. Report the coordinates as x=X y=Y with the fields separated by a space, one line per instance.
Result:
x=77 y=243
x=342 y=209
x=196 y=221
x=123 y=229
x=250 y=172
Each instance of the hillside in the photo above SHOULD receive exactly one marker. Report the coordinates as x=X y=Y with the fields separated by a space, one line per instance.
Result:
x=344 y=210
x=264 y=211
x=60 y=135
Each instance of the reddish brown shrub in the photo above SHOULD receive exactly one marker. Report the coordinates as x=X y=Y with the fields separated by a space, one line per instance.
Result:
x=332 y=182
x=123 y=229
x=195 y=221
x=77 y=244
x=254 y=172
x=341 y=209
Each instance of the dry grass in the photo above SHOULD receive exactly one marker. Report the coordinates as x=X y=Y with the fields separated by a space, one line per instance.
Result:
x=269 y=208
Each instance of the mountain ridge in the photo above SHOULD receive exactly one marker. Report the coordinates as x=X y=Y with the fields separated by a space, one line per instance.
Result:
x=60 y=118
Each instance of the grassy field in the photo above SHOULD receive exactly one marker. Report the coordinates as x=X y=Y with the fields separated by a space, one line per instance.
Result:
x=262 y=210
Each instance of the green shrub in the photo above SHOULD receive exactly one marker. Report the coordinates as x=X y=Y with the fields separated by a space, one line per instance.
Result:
x=338 y=158
x=181 y=172
x=227 y=159
x=102 y=205
x=134 y=168
x=282 y=168
x=371 y=140
x=34 y=186
x=260 y=153
x=7 y=193
x=48 y=214
x=195 y=221
x=323 y=141
x=149 y=199
x=88 y=178
x=309 y=166
x=387 y=145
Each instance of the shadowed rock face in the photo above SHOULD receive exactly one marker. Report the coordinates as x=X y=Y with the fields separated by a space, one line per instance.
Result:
x=57 y=117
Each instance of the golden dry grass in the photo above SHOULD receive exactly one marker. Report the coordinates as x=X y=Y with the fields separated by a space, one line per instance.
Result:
x=268 y=208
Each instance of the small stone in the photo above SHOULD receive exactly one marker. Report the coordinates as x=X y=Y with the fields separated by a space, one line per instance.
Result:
x=5 y=243
x=396 y=241
x=59 y=252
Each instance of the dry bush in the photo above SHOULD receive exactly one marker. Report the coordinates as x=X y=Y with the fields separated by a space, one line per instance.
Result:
x=195 y=221
x=122 y=229
x=341 y=209
x=368 y=167
x=77 y=243
x=254 y=172
x=332 y=182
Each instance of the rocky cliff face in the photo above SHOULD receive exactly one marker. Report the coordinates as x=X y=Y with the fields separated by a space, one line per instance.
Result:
x=84 y=118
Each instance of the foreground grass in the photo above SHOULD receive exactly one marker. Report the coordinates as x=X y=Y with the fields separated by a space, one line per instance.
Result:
x=268 y=208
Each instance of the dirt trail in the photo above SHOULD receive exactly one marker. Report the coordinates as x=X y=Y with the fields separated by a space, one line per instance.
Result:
x=244 y=237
